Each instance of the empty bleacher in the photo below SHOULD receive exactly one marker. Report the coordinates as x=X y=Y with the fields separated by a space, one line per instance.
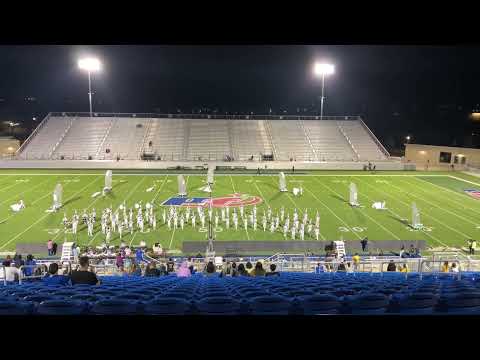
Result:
x=44 y=141
x=186 y=139
x=287 y=294
x=328 y=141
x=289 y=140
x=363 y=144
x=167 y=137
x=84 y=138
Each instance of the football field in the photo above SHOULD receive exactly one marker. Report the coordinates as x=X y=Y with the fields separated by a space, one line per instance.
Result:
x=449 y=208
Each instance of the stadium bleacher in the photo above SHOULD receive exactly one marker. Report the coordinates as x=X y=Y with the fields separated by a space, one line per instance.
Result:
x=187 y=139
x=287 y=294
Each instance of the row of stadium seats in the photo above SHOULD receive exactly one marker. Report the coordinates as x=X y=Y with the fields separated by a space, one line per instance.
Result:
x=208 y=139
x=289 y=293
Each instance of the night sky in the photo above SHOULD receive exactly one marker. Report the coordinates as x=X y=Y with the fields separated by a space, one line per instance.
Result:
x=424 y=91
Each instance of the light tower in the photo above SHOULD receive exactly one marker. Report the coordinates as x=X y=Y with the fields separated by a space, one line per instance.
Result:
x=90 y=65
x=322 y=69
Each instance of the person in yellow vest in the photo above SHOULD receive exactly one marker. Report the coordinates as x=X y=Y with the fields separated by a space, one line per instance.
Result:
x=404 y=268
x=445 y=267
x=356 y=261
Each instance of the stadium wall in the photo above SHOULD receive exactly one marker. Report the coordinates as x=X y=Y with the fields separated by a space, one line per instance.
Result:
x=8 y=146
x=429 y=156
x=138 y=164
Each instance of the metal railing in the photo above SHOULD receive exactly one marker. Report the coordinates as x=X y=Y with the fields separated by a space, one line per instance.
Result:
x=34 y=132
x=205 y=116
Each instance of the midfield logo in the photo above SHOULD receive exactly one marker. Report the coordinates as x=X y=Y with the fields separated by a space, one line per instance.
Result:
x=474 y=193
x=233 y=200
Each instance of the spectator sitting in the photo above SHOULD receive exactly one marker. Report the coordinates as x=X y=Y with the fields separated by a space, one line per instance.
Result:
x=241 y=270
x=28 y=271
x=170 y=266
x=192 y=269
x=454 y=268
x=83 y=275
x=249 y=267
x=320 y=268
x=12 y=273
x=52 y=277
x=210 y=269
x=272 y=272
x=152 y=270
x=17 y=259
x=7 y=261
x=183 y=270
x=445 y=267
x=226 y=269
x=391 y=266
x=341 y=266
x=139 y=255
x=234 y=269
x=258 y=271
x=404 y=268
x=119 y=261
x=135 y=270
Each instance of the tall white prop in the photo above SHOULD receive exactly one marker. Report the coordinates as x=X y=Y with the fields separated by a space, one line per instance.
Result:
x=416 y=223
x=182 y=186
x=353 y=195
x=57 y=197
x=282 y=183
x=108 y=182
x=210 y=175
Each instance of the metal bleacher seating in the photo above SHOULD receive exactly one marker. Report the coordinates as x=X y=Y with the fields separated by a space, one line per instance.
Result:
x=188 y=139
x=288 y=293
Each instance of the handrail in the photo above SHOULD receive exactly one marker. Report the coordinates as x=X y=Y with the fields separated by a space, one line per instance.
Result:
x=439 y=261
x=375 y=139
x=34 y=132
x=207 y=116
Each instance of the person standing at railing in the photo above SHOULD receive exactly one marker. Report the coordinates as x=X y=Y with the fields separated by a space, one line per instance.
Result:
x=12 y=273
x=28 y=270
x=356 y=262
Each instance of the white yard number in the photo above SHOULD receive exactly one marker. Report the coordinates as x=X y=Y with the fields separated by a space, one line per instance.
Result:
x=339 y=181
x=381 y=181
x=355 y=229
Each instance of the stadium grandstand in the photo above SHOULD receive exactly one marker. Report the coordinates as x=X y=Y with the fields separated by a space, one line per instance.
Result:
x=209 y=138
x=208 y=214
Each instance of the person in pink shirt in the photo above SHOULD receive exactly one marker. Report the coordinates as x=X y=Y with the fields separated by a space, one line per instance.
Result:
x=50 y=247
x=183 y=270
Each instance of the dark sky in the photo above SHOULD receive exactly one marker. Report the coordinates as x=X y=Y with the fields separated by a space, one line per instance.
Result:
x=424 y=91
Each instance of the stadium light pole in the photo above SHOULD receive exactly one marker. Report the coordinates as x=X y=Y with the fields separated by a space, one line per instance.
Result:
x=90 y=65
x=322 y=69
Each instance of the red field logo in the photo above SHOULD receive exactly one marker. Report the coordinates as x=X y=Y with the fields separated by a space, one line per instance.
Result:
x=232 y=200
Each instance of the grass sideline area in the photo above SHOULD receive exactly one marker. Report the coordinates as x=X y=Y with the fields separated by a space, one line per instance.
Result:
x=449 y=214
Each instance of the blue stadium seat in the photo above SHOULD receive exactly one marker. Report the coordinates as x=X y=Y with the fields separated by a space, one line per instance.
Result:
x=167 y=306
x=16 y=308
x=270 y=305
x=368 y=304
x=218 y=305
x=416 y=304
x=62 y=307
x=115 y=307
x=320 y=304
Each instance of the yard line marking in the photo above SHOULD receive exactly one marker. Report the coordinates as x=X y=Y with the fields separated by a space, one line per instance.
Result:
x=16 y=195
x=462 y=195
x=233 y=185
x=171 y=239
x=399 y=217
x=44 y=216
x=365 y=213
x=333 y=213
x=440 y=208
x=8 y=187
x=133 y=237
x=160 y=189
x=93 y=238
x=464 y=180
x=429 y=193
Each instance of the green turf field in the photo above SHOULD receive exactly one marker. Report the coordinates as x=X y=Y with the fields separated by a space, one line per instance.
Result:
x=450 y=215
